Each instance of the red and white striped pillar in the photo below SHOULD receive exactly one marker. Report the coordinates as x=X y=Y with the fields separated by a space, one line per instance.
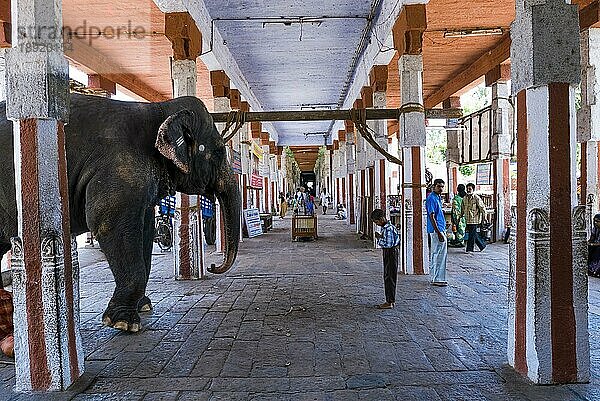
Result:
x=378 y=80
x=245 y=137
x=351 y=170
x=361 y=165
x=221 y=92
x=548 y=338
x=361 y=195
x=408 y=36
x=412 y=143
x=48 y=351
x=188 y=248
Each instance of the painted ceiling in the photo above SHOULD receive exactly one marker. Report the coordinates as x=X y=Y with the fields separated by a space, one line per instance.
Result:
x=294 y=55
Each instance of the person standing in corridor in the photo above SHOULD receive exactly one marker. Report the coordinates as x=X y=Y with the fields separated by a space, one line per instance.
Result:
x=324 y=201
x=436 y=229
x=283 y=206
x=388 y=240
x=474 y=211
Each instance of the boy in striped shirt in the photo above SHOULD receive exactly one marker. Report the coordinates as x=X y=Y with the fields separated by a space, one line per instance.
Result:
x=388 y=240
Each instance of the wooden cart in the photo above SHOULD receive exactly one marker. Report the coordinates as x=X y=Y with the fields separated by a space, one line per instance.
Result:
x=304 y=226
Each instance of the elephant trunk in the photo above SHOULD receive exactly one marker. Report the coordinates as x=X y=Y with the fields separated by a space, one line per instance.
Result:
x=230 y=201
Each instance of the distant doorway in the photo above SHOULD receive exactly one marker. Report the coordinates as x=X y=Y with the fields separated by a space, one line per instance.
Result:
x=308 y=181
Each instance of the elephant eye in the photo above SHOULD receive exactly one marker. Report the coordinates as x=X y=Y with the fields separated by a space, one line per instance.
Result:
x=201 y=148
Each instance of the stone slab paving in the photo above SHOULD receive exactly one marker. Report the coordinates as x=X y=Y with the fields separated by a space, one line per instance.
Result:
x=296 y=321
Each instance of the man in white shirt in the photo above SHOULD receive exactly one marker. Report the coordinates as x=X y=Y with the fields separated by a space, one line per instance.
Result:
x=324 y=201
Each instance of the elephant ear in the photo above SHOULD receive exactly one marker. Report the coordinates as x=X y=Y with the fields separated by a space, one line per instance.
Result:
x=174 y=140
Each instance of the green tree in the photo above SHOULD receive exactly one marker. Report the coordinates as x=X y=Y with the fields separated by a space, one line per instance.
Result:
x=436 y=145
x=467 y=170
x=476 y=100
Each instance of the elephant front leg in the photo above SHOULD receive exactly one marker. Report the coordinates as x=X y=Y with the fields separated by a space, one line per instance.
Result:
x=123 y=245
x=144 y=304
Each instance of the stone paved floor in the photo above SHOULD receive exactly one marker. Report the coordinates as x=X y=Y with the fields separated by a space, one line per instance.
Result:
x=295 y=321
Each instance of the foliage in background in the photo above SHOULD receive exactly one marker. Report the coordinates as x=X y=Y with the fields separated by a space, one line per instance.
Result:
x=475 y=100
x=292 y=170
x=321 y=168
x=437 y=142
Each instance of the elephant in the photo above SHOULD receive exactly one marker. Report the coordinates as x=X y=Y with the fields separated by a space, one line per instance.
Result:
x=122 y=158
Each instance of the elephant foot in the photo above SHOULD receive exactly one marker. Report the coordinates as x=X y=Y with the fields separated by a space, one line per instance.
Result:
x=122 y=318
x=144 y=304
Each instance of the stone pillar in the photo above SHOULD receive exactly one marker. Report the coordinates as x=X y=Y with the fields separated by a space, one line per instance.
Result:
x=590 y=181
x=343 y=171
x=453 y=133
x=351 y=169
x=378 y=81
x=408 y=37
x=221 y=92
x=502 y=119
x=264 y=172
x=588 y=118
x=361 y=165
x=245 y=138
x=548 y=337
x=412 y=143
x=48 y=351
x=188 y=243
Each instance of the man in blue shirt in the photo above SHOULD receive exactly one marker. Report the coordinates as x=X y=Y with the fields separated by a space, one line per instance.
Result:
x=388 y=240
x=436 y=229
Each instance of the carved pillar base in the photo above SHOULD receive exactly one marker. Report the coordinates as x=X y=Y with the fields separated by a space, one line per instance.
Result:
x=535 y=317
x=57 y=363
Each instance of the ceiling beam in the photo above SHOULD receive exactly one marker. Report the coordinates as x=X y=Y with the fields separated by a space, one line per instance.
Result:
x=479 y=68
x=589 y=16
x=90 y=61
x=324 y=115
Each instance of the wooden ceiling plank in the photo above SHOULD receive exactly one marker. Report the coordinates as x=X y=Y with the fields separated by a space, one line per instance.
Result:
x=479 y=68
x=85 y=55
x=589 y=16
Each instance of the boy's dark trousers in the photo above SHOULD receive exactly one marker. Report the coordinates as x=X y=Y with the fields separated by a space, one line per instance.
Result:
x=390 y=273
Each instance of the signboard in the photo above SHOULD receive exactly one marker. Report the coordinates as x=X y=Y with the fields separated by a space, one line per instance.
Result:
x=252 y=219
x=256 y=150
x=484 y=174
x=256 y=181
x=236 y=162
x=452 y=123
